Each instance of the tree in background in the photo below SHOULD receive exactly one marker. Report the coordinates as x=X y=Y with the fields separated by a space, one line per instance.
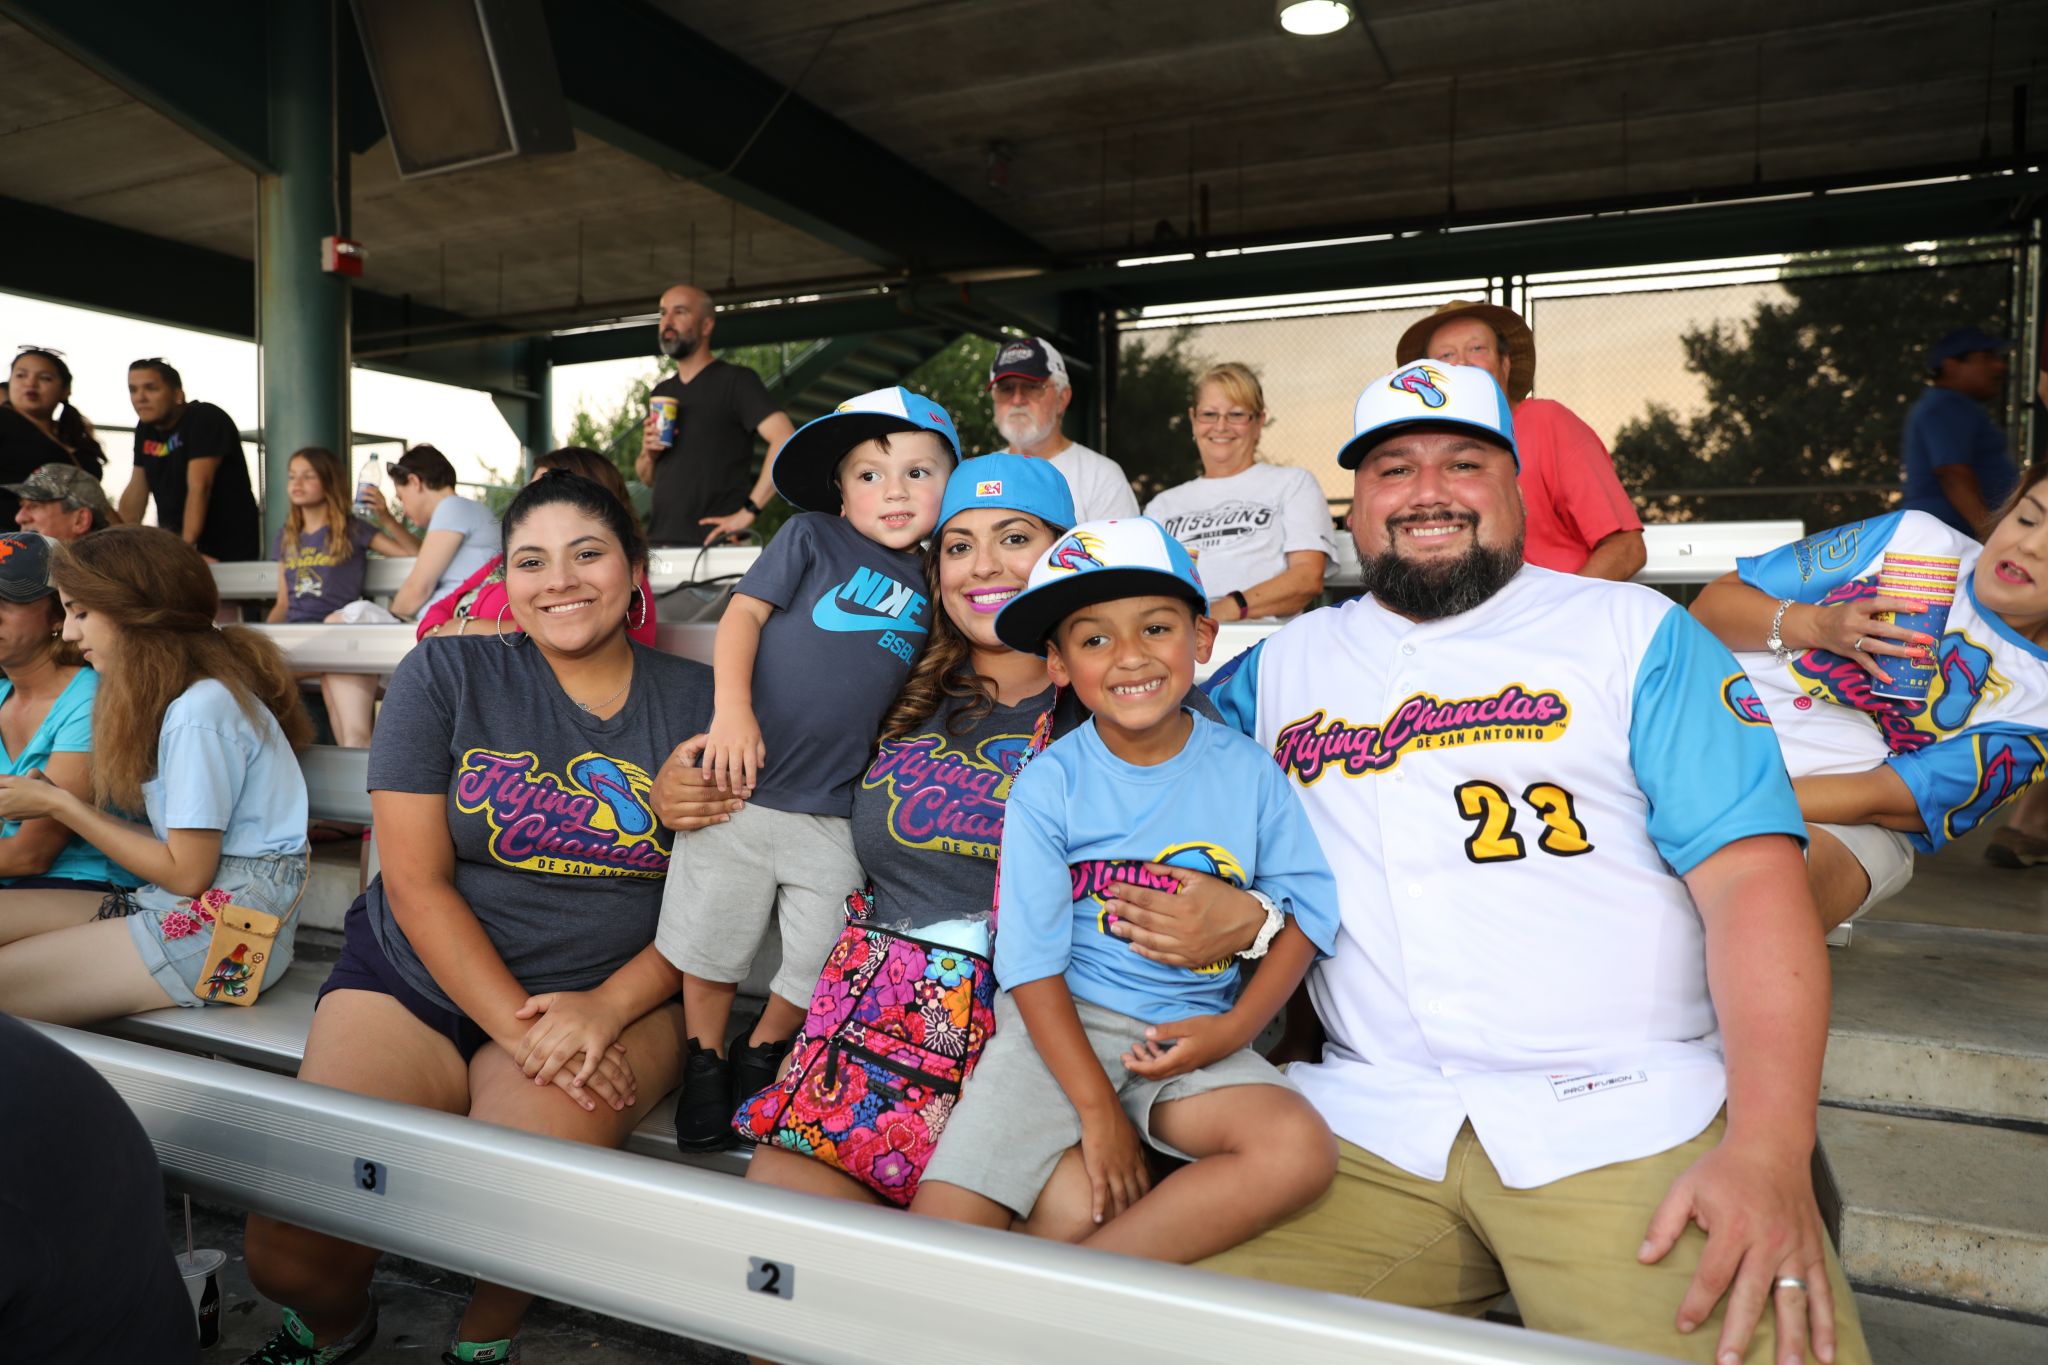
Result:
x=1148 y=419
x=1810 y=391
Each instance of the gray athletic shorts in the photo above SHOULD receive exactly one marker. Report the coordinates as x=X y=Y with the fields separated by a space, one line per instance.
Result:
x=724 y=879
x=1886 y=857
x=1013 y=1122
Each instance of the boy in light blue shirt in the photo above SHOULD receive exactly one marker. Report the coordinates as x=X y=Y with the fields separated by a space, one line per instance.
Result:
x=1095 y=1043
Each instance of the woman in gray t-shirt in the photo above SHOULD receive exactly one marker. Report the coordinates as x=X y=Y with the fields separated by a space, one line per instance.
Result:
x=510 y=937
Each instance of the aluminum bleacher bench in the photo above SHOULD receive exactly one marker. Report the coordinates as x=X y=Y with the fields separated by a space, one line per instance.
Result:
x=757 y=1269
x=667 y=570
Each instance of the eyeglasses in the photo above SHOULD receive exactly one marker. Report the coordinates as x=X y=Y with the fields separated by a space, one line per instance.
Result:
x=1236 y=417
x=398 y=472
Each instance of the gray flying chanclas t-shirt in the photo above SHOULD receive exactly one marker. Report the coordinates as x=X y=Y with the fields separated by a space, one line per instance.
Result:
x=557 y=850
x=928 y=813
x=850 y=615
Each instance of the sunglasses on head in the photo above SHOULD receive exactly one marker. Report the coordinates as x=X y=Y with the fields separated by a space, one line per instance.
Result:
x=398 y=472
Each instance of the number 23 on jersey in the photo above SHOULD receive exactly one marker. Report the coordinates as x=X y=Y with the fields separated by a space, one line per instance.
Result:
x=1493 y=813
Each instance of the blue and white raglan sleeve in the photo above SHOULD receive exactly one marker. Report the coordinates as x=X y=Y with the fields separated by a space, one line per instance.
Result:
x=1035 y=910
x=1234 y=689
x=1964 y=778
x=1291 y=866
x=1808 y=570
x=1701 y=747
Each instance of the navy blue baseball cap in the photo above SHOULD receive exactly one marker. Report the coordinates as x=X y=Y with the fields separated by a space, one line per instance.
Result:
x=1015 y=483
x=1099 y=561
x=24 y=567
x=1961 y=342
x=805 y=465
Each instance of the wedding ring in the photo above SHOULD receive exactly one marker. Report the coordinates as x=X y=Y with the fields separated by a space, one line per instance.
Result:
x=1791 y=1282
x=1858 y=646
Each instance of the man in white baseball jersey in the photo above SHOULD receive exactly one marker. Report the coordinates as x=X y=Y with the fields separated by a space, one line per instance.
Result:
x=1030 y=391
x=1580 y=997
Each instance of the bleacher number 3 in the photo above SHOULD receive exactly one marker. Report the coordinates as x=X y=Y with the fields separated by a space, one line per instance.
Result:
x=1495 y=840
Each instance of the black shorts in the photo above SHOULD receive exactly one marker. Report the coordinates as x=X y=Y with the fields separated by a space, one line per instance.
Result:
x=60 y=884
x=362 y=966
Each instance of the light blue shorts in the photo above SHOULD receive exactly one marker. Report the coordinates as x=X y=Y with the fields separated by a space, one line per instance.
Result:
x=173 y=941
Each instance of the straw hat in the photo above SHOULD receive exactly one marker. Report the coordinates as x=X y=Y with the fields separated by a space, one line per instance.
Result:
x=1506 y=323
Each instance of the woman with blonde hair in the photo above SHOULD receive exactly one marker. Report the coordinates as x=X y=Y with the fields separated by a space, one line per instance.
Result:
x=321 y=565
x=1260 y=533
x=194 y=726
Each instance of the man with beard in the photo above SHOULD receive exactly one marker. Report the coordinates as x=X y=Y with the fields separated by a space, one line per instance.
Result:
x=1028 y=384
x=700 y=482
x=1580 y=997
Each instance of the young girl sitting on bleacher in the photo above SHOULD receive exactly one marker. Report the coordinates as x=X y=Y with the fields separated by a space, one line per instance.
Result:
x=193 y=727
x=321 y=564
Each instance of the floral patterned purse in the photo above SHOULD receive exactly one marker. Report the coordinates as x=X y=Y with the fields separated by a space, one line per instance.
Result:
x=895 y=1028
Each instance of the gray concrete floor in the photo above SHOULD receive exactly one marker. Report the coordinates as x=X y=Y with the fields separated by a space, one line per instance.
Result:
x=417 y=1310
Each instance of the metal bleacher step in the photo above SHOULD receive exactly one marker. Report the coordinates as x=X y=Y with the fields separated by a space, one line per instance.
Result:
x=1943 y=1020
x=1948 y=1211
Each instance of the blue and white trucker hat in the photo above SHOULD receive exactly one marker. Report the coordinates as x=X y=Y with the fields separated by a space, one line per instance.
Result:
x=1099 y=561
x=1016 y=483
x=805 y=464
x=1429 y=393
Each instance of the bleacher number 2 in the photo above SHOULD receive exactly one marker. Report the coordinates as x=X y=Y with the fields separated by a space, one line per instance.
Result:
x=771 y=1277
x=1495 y=840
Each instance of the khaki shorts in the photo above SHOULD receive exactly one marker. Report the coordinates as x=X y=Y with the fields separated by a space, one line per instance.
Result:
x=1013 y=1122
x=1566 y=1249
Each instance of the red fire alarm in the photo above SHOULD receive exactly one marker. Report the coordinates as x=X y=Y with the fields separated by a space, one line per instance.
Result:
x=340 y=256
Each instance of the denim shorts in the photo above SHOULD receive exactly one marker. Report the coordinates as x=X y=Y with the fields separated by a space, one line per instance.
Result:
x=173 y=941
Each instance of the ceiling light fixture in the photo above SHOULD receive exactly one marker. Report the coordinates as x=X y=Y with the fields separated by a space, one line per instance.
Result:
x=1312 y=18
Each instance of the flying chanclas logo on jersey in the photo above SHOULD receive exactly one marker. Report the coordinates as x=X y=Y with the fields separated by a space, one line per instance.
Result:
x=1309 y=747
x=1077 y=552
x=1097 y=878
x=597 y=822
x=1738 y=694
x=1964 y=678
x=871 y=601
x=943 y=799
x=1424 y=381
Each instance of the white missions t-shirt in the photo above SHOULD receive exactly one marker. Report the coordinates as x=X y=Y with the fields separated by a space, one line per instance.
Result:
x=1241 y=529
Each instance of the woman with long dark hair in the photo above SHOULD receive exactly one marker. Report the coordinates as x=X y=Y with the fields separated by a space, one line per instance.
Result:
x=39 y=426
x=194 y=725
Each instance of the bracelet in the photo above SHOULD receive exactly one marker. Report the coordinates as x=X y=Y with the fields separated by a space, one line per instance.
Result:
x=1244 y=608
x=1270 y=930
x=748 y=503
x=1775 y=641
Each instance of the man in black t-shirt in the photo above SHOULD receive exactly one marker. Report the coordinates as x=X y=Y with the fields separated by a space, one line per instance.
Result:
x=86 y=1272
x=189 y=457
x=700 y=483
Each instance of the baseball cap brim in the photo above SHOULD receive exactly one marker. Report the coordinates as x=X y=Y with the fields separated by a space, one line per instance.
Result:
x=1030 y=617
x=806 y=464
x=1044 y=377
x=1358 y=447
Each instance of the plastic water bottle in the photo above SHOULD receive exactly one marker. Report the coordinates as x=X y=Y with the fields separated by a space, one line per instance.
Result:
x=368 y=478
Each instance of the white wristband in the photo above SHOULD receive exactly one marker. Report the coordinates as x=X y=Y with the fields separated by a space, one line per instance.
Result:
x=1270 y=930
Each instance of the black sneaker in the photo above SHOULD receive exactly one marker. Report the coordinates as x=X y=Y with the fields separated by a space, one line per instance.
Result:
x=704 y=1108
x=755 y=1067
x=293 y=1344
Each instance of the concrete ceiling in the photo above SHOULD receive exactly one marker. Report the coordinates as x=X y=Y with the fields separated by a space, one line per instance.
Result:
x=1120 y=113
x=1117 y=117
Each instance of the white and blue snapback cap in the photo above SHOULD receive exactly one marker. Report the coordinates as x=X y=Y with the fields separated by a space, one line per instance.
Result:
x=805 y=465
x=1099 y=561
x=1429 y=393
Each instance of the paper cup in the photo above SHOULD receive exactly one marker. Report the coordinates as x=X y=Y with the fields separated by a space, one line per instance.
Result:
x=666 y=411
x=1928 y=579
x=201 y=1270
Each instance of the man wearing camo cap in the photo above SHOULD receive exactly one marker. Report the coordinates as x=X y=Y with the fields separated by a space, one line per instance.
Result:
x=63 y=502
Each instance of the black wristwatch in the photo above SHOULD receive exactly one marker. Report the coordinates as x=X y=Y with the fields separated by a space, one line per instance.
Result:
x=748 y=503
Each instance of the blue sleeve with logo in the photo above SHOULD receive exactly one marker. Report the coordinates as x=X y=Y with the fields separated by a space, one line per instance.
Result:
x=1234 y=688
x=1034 y=931
x=1808 y=570
x=1291 y=866
x=1702 y=749
x=1964 y=778
x=779 y=572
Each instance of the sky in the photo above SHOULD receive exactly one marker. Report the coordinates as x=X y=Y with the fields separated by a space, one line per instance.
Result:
x=1606 y=347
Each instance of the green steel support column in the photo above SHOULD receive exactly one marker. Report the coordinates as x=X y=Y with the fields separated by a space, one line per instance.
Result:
x=539 y=435
x=302 y=311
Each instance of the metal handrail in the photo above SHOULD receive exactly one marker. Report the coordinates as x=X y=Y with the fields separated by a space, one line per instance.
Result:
x=738 y=1264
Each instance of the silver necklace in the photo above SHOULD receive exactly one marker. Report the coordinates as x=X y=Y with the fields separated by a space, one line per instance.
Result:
x=592 y=708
